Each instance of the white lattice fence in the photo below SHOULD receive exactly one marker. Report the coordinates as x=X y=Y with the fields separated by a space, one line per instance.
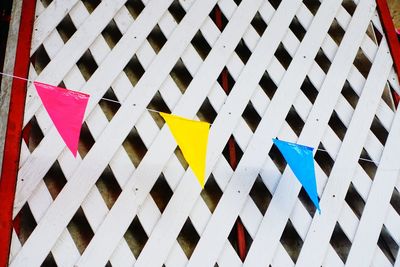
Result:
x=316 y=73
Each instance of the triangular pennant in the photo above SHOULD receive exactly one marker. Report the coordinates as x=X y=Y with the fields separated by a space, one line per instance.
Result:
x=66 y=109
x=301 y=161
x=192 y=138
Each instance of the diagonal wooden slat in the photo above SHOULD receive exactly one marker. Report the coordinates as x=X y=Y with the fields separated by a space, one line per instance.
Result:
x=374 y=212
x=215 y=60
x=238 y=188
x=248 y=79
x=46 y=234
x=262 y=78
x=43 y=26
x=350 y=149
x=322 y=109
x=51 y=146
x=73 y=50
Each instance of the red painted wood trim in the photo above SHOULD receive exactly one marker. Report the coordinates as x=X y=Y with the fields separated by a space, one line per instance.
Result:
x=12 y=144
x=390 y=32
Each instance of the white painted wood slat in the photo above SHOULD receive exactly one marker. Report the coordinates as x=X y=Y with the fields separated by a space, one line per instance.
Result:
x=334 y=193
x=310 y=72
x=238 y=187
x=319 y=116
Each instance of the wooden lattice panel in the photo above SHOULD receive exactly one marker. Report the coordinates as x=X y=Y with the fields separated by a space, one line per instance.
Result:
x=314 y=72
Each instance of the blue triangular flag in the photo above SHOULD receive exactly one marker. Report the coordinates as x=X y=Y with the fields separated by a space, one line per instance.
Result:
x=301 y=161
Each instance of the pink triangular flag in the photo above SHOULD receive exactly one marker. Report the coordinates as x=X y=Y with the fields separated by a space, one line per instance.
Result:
x=66 y=109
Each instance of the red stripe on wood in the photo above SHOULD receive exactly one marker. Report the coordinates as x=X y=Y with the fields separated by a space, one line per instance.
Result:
x=390 y=33
x=12 y=144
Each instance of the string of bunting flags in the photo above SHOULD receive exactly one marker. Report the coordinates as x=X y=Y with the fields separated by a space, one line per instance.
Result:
x=66 y=109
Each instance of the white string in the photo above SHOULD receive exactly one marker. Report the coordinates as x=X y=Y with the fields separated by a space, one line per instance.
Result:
x=364 y=159
x=151 y=110
x=103 y=98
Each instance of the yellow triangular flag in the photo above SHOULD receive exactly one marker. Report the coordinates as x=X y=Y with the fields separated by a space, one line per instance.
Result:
x=192 y=139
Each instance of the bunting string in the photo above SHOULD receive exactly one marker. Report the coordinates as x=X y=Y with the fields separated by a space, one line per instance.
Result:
x=103 y=98
x=155 y=111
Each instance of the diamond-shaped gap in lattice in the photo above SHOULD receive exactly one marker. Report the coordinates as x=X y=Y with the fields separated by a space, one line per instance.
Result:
x=240 y=237
x=86 y=141
x=218 y=18
x=268 y=85
x=388 y=245
x=179 y=155
x=260 y=194
x=226 y=80
x=66 y=28
x=277 y=158
x=283 y=56
x=291 y=241
x=32 y=134
x=350 y=6
x=243 y=51
x=337 y=125
x=80 y=230
x=322 y=60
x=295 y=121
x=91 y=4
x=134 y=7
x=395 y=200
x=259 y=24
x=312 y=5
x=297 y=29
x=24 y=223
x=211 y=193
x=109 y=108
x=206 y=112
x=306 y=201
x=377 y=35
x=40 y=59
x=156 y=39
x=108 y=187
x=362 y=63
x=340 y=242
x=232 y=152
x=309 y=90
x=371 y=34
x=367 y=164
x=157 y=103
x=49 y=261
x=161 y=193
x=350 y=95
x=177 y=11
x=134 y=70
x=188 y=238
x=201 y=45
x=251 y=116
x=336 y=32
x=46 y=3
x=275 y=3
x=87 y=65
x=111 y=34
x=181 y=75
x=379 y=130
x=55 y=180
x=136 y=237
x=324 y=160
x=134 y=147
x=355 y=201
x=389 y=96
